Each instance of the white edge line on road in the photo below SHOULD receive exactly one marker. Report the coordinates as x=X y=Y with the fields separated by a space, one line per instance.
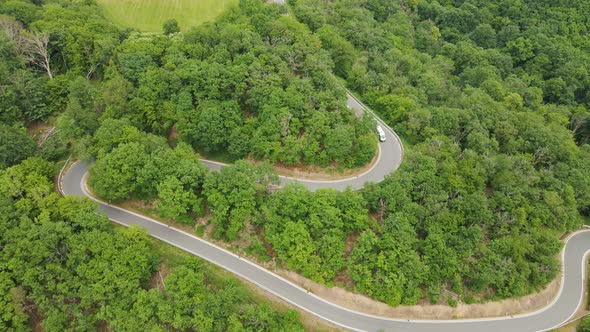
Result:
x=84 y=189
x=244 y=277
x=584 y=260
x=379 y=151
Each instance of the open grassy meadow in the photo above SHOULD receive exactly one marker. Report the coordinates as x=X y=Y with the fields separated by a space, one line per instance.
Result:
x=149 y=15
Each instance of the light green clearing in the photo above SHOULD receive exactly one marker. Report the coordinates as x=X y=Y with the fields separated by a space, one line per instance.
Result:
x=149 y=15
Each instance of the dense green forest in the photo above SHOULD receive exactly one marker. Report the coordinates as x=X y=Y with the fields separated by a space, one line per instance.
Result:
x=259 y=86
x=491 y=97
x=63 y=267
x=64 y=264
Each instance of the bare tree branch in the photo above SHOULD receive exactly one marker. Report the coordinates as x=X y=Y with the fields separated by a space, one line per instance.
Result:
x=11 y=28
x=38 y=51
x=31 y=46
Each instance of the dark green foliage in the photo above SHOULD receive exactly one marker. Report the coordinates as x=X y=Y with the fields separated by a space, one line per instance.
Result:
x=245 y=87
x=493 y=99
x=15 y=146
x=484 y=35
x=131 y=163
x=53 y=149
x=115 y=176
x=193 y=302
x=212 y=125
x=584 y=325
x=24 y=11
x=80 y=42
x=234 y=194
x=341 y=50
x=388 y=268
x=13 y=317
x=25 y=97
x=64 y=261
x=170 y=27
x=80 y=117
x=309 y=230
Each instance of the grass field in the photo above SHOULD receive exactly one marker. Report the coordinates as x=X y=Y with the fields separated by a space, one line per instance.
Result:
x=149 y=15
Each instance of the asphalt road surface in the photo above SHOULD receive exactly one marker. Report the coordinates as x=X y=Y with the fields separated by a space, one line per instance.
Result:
x=563 y=307
x=389 y=158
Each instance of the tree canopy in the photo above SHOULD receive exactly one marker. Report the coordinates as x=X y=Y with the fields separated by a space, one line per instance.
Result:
x=491 y=99
x=65 y=266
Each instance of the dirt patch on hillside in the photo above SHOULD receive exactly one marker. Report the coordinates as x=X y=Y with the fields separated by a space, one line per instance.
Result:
x=157 y=279
x=367 y=305
x=36 y=129
x=310 y=172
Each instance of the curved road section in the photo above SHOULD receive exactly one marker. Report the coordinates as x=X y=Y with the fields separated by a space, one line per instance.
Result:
x=559 y=311
x=390 y=156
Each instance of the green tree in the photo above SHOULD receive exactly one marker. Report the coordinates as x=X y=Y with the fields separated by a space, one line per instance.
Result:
x=395 y=107
x=484 y=35
x=111 y=133
x=234 y=194
x=170 y=27
x=175 y=202
x=211 y=125
x=11 y=305
x=80 y=118
x=114 y=176
x=521 y=49
x=15 y=146
x=339 y=143
x=584 y=326
x=296 y=249
x=341 y=50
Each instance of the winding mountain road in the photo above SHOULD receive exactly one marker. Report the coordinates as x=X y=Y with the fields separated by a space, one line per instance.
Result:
x=560 y=310
x=568 y=300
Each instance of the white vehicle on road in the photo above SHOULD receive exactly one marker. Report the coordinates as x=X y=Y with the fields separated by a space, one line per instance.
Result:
x=381 y=133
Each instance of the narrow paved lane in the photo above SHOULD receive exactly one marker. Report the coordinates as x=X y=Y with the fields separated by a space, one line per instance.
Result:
x=560 y=310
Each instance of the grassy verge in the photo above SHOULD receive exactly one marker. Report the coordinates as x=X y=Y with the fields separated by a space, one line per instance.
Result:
x=149 y=15
x=219 y=156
